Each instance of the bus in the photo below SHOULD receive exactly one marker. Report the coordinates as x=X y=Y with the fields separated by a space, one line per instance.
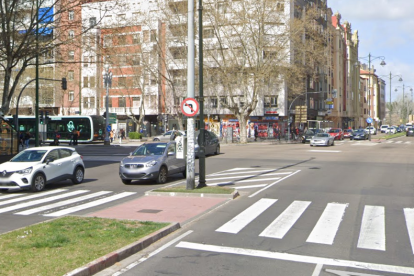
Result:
x=320 y=124
x=91 y=128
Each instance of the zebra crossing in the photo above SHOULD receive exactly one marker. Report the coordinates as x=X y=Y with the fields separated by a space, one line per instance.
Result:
x=57 y=202
x=248 y=178
x=366 y=143
x=372 y=234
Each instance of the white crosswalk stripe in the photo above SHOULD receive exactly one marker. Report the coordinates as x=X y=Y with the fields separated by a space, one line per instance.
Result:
x=371 y=236
x=29 y=206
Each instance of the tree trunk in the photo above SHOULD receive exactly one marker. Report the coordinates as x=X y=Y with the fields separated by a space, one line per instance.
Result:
x=242 y=126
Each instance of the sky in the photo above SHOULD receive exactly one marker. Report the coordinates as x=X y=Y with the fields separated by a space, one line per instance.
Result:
x=385 y=29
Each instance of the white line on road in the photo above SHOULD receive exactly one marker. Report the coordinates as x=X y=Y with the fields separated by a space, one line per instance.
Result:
x=244 y=176
x=32 y=196
x=89 y=205
x=251 y=186
x=325 y=151
x=274 y=183
x=241 y=220
x=328 y=224
x=409 y=218
x=9 y=196
x=264 y=172
x=40 y=201
x=317 y=270
x=372 y=234
x=296 y=258
x=61 y=203
x=241 y=181
x=281 y=225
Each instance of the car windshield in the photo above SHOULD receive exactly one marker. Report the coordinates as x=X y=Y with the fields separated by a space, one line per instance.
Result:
x=359 y=131
x=29 y=156
x=334 y=131
x=150 y=149
x=309 y=132
x=322 y=135
x=348 y=130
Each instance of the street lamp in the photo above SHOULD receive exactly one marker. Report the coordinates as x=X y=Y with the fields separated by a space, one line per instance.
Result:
x=371 y=58
x=107 y=76
x=404 y=110
x=400 y=79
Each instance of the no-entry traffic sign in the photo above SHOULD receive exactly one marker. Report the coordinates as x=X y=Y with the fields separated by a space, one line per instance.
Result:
x=189 y=107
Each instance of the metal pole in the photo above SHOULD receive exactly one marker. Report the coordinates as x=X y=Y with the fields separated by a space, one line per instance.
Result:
x=190 y=94
x=107 y=78
x=37 y=78
x=201 y=153
x=369 y=94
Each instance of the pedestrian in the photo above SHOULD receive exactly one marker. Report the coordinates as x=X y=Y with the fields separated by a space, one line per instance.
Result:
x=256 y=132
x=121 y=135
x=56 y=137
x=111 y=136
x=21 y=139
x=27 y=139
x=71 y=137
x=75 y=137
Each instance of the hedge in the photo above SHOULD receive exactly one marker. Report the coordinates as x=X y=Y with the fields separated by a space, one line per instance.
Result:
x=134 y=135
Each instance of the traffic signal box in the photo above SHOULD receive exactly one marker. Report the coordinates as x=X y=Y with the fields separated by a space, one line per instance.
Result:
x=41 y=118
x=47 y=118
x=64 y=84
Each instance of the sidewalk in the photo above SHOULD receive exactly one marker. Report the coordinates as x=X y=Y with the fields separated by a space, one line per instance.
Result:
x=177 y=209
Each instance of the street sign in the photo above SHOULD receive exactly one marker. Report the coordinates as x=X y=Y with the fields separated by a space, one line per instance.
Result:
x=108 y=128
x=369 y=120
x=112 y=118
x=189 y=107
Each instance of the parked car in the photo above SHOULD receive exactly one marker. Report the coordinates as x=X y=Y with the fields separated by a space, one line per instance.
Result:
x=371 y=129
x=151 y=160
x=349 y=133
x=360 y=134
x=212 y=143
x=33 y=168
x=408 y=125
x=410 y=131
x=322 y=139
x=337 y=133
x=391 y=130
x=308 y=134
x=169 y=135
x=384 y=128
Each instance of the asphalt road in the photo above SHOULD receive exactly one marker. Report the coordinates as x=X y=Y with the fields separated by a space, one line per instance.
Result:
x=342 y=210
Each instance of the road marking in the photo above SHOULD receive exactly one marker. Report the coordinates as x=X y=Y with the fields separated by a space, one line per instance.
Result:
x=264 y=172
x=409 y=218
x=241 y=220
x=61 y=203
x=9 y=196
x=328 y=224
x=32 y=196
x=251 y=186
x=317 y=270
x=241 y=181
x=296 y=258
x=40 y=201
x=398 y=142
x=372 y=235
x=348 y=273
x=244 y=176
x=324 y=150
x=274 y=183
x=365 y=144
x=89 y=205
x=282 y=224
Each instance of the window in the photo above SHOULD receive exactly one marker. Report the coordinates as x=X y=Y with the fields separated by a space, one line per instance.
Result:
x=121 y=81
x=92 y=81
x=121 y=17
x=153 y=79
x=222 y=7
x=146 y=36
x=85 y=61
x=213 y=102
x=121 y=39
x=85 y=82
x=47 y=96
x=122 y=60
x=71 y=15
x=92 y=22
x=136 y=60
x=71 y=34
x=179 y=52
x=107 y=41
x=223 y=100
x=71 y=96
x=208 y=33
x=71 y=75
x=135 y=101
x=71 y=55
x=136 y=39
x=153 y=35
x=89 y=102
x=280 y=7
x=121 y=102
x=270 y=101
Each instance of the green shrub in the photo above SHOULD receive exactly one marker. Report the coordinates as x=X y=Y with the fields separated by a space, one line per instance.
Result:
x=134 y=135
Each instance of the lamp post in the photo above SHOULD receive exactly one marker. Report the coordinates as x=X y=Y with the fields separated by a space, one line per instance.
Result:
x=107 y=76
x=404 y=109
x=391 y=77
x=371 y=58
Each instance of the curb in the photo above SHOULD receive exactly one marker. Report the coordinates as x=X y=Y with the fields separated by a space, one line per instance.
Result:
x=122 y=253
x=233 y=195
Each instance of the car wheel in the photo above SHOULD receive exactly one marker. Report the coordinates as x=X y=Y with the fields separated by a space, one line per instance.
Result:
x=333 y=143
x=126 y=181
x=217 y=152
x=162 y=175
x=78 y=175
x=155 y=139
x=38 y=182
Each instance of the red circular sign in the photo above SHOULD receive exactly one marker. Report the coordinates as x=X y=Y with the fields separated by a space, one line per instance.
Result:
x=189 y=107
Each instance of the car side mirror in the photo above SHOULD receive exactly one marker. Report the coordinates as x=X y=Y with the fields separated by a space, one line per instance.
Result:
x=48 y=160
x=171 y=153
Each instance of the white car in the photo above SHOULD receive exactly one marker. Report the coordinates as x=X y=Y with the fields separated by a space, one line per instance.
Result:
x=371 y=129
x=169 y=135
x=33 y=168
x=384 y=128
x=322 y=139
x=391 y=130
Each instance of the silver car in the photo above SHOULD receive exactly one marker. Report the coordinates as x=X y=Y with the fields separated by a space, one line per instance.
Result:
x=322 y=139
x=151 y=160
x=169 y=135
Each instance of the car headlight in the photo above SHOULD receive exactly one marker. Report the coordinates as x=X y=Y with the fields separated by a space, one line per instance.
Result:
x=25 y=171
x=151 y=163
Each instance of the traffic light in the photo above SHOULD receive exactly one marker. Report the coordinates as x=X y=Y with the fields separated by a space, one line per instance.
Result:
x=104 y=114
x=41 y=118
x=47 y=118
x=64 y=84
